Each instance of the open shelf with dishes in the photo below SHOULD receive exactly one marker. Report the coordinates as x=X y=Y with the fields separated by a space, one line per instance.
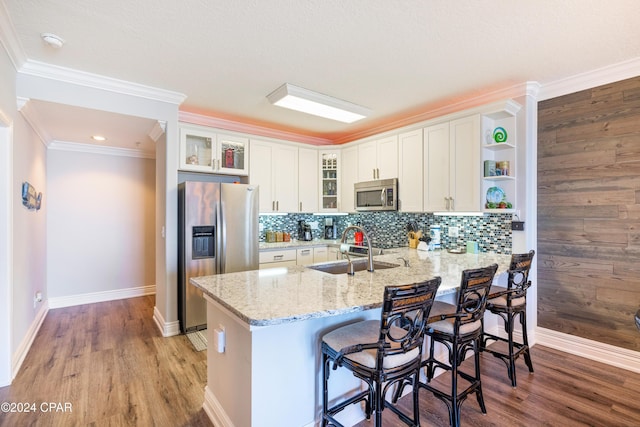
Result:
x=499 y=160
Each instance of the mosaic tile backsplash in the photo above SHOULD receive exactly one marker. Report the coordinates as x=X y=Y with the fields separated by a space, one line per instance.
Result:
x=388 y=229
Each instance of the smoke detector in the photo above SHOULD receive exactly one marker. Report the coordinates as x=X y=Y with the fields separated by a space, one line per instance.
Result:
x=52 y=40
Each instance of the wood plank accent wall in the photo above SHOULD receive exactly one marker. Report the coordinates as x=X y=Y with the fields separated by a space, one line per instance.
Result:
x=589 y=213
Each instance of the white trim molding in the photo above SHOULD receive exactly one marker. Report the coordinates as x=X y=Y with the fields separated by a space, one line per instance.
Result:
x=167 y=329
x=93 y=297
x=100 y=149
x=589 y=349
x=81 y=78
x=25 y=345
x=590 y=79
x=31 y=116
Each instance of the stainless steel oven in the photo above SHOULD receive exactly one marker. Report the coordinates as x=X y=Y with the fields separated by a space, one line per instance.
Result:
x=378 y=195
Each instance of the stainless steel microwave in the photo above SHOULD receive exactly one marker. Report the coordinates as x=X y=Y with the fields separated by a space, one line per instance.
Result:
x=379 y=195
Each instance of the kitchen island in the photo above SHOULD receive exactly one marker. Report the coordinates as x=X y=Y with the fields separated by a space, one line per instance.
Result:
x=270 y=323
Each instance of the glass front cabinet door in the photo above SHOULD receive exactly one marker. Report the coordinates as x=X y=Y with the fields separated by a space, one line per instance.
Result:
x=207 y=150
x=329 y=183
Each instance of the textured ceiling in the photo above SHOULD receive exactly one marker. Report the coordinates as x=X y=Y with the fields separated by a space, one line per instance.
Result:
x=394 y=57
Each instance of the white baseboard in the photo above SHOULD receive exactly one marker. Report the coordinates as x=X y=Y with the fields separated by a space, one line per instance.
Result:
x=594 y=350
x=25 y=345
x=90 y=298
x=214 y=410
x=167 y=329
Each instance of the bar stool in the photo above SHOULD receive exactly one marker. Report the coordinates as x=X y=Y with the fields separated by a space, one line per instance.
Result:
x=508 y=303
x=459 y=329
x=381 y=352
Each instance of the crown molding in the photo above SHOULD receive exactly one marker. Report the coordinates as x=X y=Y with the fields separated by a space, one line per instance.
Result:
x=590 y=79
x=215 y=122
x=521 y=89
x=9 y=39
x=158 y=130
x=54 y=72
x=31 y=116
x=99 y=149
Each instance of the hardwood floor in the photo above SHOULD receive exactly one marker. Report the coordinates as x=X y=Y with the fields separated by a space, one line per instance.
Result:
x=110 y=363
x=565 y=390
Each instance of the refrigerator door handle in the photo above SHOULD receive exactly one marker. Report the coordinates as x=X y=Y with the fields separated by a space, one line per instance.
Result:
x=221 y=238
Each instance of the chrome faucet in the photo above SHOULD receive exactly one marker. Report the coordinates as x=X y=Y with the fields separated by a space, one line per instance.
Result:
x=369 y=248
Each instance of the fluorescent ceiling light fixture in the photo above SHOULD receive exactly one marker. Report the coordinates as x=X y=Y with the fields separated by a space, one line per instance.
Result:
x=307 y=101
x=98 y=138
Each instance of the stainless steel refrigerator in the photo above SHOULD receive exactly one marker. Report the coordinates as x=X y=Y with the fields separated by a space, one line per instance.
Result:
x=217 y=233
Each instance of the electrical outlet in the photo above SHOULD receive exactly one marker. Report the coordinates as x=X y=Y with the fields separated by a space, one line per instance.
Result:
x=453 y=231
x=37 y=298
x=517 y=225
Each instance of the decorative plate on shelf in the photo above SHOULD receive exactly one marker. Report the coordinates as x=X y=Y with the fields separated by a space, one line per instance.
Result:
x=495 y=195
x=500 y=134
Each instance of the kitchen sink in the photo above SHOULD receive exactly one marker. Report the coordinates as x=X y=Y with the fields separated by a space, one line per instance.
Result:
x=358 y=265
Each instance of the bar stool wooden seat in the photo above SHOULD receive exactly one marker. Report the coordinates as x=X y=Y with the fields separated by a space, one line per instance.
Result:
x=381 y=353
x=509 y=303
x=459 y=329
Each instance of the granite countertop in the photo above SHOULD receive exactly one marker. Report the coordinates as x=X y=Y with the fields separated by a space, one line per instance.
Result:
x=281 y=295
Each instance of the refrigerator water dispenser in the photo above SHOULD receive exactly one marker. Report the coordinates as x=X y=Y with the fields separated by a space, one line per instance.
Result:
x=203 y=242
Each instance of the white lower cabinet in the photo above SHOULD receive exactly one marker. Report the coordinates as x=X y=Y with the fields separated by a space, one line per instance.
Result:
x=292 y=257
x=305 y=256
x=333 y=253
x=278 y=258
x=320 y=254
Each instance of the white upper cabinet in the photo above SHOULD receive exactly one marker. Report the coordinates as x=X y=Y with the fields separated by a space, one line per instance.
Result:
x=208 y=150
x=436 y=167
x=465 y=164
x=378 y=159
x=410 y=171
x=451 y=162
x=274 y=167
x=330 y=166
x=308 y=180
x=348 y=176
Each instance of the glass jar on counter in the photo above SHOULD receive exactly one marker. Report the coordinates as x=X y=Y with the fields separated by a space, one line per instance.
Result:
x=270 y=236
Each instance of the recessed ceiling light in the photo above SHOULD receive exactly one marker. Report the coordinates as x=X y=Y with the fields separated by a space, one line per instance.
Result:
x=52 y=40
x=310 y=102
x=98 y=138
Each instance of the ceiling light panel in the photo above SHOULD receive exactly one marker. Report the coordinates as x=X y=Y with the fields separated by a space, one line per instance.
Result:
x=317 y=104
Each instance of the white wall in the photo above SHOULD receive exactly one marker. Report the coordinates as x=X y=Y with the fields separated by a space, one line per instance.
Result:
x=24 y=255
x=101 y=223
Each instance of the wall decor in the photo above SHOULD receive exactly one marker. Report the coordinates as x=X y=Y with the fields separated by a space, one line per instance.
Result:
x=30 y=198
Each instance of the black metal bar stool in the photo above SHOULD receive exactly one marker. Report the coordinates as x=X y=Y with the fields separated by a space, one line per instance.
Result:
x=508 y=303
x=459 y=329
x=381 y=352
